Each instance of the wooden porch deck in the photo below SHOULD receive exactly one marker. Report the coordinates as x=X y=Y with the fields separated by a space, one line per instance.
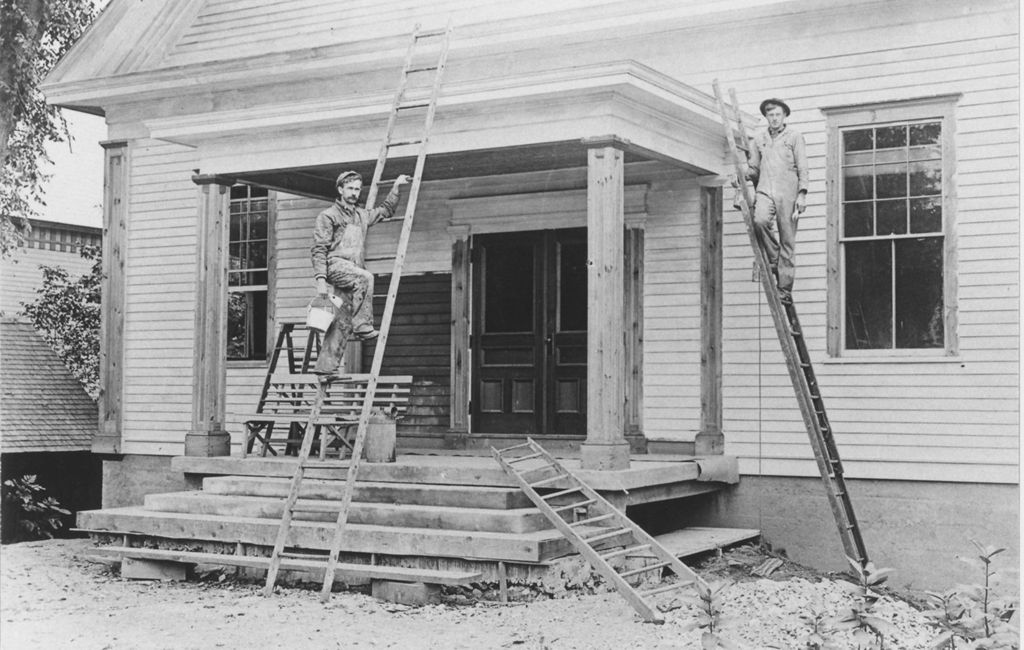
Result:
x=426 y=511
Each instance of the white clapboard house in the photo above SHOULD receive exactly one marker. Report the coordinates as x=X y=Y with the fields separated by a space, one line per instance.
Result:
x=561 y=125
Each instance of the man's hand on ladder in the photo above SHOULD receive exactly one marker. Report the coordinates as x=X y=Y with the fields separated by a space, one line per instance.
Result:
x=402 y=179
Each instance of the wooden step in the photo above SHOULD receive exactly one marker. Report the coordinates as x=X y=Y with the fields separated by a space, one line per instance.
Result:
x=532 y=547
x=463 y=496
x=344 y=569
x=519 y=520
x=701 y=539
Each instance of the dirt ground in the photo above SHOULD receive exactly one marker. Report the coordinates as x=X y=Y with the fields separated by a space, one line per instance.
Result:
x=53 y=596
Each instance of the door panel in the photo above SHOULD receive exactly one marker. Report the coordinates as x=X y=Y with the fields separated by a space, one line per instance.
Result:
x=529 y=332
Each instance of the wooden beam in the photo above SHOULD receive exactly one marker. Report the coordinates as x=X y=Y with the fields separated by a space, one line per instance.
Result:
x=209 y=363
x=606 y=447
x=634 y=308
x=460 y=363
x=115 y=239
x=710 y=439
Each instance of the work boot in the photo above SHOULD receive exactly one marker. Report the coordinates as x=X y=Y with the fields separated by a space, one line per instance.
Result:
x=367 y=334
x=785 y=298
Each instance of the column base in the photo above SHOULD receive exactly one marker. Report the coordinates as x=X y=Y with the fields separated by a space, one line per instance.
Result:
x=208 y=443
x=609 y=456
x=709 y=444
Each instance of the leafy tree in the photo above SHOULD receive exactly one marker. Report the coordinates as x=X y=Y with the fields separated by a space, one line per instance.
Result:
x=34 y=35
x=66 y=312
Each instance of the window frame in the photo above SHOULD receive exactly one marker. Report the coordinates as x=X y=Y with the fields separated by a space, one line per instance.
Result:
x=270 y=290
x=938 y=108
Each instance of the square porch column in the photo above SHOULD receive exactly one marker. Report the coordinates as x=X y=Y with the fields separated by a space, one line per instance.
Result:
x=606 y=447
x=209 y=357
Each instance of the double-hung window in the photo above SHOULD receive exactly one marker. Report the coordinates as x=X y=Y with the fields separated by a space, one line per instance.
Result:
x=249 y=272
x=892 y=256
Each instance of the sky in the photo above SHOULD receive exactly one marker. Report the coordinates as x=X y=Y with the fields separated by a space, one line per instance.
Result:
x=74 y=193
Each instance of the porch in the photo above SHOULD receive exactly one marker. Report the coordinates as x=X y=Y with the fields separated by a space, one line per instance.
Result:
x=424 y=511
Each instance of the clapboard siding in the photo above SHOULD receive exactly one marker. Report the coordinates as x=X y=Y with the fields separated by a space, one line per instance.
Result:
x=160 y=298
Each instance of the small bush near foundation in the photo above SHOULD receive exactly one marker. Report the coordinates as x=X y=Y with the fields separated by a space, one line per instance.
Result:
x=39 y=515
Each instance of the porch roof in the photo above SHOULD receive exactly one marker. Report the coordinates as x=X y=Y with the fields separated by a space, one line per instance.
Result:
x=537 y=121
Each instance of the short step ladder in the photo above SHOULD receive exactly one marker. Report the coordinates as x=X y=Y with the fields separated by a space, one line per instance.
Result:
x=794 y=349
x=532 y=467
x=400 y=104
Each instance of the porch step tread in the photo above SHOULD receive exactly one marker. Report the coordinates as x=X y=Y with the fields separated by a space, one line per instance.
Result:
x=701 y=539
x=515 y=520
x=529 y=547
x=472 y=496
x=344 y=569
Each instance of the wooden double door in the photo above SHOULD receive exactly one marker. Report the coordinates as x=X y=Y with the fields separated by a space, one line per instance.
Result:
x=530 y=332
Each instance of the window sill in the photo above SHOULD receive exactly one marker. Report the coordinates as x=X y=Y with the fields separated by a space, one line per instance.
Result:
x=893 y=358
x=243 y=364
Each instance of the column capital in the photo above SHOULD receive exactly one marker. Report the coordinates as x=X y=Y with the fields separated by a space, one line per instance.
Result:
x=605 y=141
x=213 y=179
x=457 y=232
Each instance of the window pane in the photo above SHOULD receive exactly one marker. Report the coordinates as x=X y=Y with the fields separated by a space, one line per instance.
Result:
x=239 y=191
x=236 y=259
x=919 y=304
x=925 y=133
x=891 y=180
x=857 y=183
x=868 y=295
x=891 y=136
x=508 y=287
x=859 y=158
x=247 y=325
x=891 y=156
x=858 y=140
x=235 y=232
x=257 y=191
x=258 y=226
x=930 y=152
x=926 y=215
x=857 y=219
x=892 y=217
x=926 y=178
x=258 y=254
x=572 y=286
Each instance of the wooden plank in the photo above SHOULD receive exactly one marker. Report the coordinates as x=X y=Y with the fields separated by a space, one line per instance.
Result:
x=698 y=539
x=460 y=333
x=344 y=570
x=710 y=439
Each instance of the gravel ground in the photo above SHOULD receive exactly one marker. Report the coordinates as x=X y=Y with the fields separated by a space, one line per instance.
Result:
x=51 y=596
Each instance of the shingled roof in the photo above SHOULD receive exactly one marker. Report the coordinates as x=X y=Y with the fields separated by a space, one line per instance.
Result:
x=42 y=406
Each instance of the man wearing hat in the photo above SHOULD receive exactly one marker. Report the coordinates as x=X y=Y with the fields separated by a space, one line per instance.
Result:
x=339 y=239
x=778 y=167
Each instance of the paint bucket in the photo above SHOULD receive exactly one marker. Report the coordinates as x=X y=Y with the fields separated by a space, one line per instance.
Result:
x=319 y=314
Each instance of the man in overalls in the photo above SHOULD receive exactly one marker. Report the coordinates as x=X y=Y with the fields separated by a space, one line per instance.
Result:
x=338 y=253
x=778 y=168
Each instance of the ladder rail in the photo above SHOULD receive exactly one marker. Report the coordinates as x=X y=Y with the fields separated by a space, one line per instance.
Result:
x=798 y=363
x=389 y=306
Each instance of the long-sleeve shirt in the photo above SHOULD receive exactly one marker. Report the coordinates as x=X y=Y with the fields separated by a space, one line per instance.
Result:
x=340 y=231
x=779 y=162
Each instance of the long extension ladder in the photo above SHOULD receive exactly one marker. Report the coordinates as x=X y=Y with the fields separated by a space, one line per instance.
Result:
x=602 y=522
x=794 y=349
x=400 y=104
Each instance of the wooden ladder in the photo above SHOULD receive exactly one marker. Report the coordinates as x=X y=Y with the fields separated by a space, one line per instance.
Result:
x=794 y=349
x=613 y=528
x=400 y=104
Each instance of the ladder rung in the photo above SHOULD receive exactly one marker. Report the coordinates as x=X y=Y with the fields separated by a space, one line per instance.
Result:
x=503 y=450
x=431 y=33
x=645 y=569
x=402 y=143
x=625 y=551
x=609 y=534
x=578 y=504
x=561 y=493
x=413 y=103
x=661 y=590
x=587 y=522
x=314 y=507
x=552 y=479
x=421 y=68
x=520 y=459
x=303 y=556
